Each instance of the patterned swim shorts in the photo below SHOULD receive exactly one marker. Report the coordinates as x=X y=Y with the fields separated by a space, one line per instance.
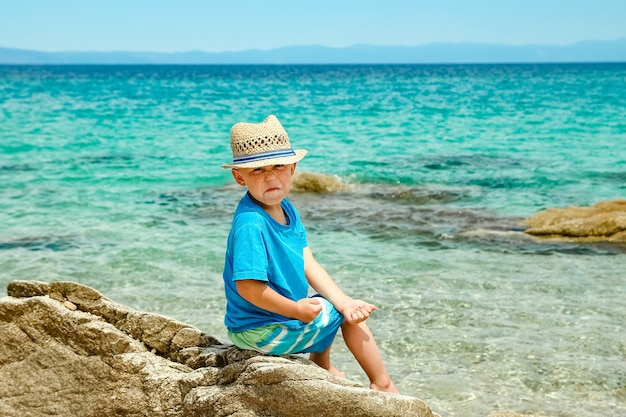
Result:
x=293 y=336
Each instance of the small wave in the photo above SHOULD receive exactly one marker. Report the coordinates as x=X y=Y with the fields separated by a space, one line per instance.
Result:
x=419 y=195
x=16 y=168
x=614 y=177
x=37 y=243
x=109 y=159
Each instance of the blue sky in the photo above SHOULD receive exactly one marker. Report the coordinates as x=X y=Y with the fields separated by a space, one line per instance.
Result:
x=237 y=25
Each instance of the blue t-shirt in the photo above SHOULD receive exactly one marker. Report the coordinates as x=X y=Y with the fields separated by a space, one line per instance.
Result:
x=260 y=248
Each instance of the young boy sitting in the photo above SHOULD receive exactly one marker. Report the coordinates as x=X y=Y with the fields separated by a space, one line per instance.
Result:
x=269 y=266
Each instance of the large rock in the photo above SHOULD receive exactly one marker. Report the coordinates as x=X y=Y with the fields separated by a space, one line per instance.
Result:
x=68 y=351
x=604 y=221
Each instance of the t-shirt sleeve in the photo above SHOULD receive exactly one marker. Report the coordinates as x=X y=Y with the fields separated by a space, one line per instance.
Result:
x=250 y=258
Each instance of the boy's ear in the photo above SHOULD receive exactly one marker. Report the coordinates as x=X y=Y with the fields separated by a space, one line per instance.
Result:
x=238 y=177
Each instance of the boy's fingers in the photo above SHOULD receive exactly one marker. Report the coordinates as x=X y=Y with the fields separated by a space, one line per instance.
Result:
x=369 y=307
x=357 y=315
x=365 y=310
x=316 y=305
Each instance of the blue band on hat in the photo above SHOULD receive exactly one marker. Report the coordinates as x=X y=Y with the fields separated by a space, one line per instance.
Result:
x=264 y=155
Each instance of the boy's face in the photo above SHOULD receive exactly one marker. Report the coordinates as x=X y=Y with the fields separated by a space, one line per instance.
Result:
x=268 y=185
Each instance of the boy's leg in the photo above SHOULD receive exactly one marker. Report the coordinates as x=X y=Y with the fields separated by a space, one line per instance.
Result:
x=322 y=359
x=361 y=343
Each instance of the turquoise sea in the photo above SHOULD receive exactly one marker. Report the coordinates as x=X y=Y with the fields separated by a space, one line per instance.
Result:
x=109 y=176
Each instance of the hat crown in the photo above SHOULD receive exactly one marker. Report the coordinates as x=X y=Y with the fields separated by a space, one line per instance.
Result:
x=259 y=144
x=256 y=138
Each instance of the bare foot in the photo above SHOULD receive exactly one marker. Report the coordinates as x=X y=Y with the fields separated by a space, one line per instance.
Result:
x=385 y=387
x=335 y=371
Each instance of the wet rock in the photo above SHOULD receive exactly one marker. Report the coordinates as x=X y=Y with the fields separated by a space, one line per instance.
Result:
x=604 y=221
x=316 y=183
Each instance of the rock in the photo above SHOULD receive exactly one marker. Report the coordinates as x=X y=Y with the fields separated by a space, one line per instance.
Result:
x=604 y=221
x=316 y=183
x=67 y=350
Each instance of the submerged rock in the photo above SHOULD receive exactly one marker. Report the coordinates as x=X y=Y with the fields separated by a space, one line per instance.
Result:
x=67 y=350
x=604 y=221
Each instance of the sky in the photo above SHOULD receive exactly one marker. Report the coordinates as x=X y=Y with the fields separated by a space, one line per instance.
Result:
x=240 y=25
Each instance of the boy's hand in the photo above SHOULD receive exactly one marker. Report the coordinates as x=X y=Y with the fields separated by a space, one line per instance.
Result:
x=307 y=309
x=356 y=311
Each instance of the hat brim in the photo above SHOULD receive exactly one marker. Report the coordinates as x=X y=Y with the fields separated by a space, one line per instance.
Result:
x=285 y=160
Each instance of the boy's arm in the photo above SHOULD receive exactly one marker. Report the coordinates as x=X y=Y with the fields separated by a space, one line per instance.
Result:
x=354 y=311
x=261 y=295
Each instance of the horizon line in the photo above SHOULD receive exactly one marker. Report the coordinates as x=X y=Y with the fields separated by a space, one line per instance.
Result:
x=316 y=45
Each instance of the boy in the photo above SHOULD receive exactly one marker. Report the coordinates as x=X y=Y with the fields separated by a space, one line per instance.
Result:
x=269 y=266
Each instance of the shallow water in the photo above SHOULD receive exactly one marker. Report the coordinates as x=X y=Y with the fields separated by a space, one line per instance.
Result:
x=109 y=176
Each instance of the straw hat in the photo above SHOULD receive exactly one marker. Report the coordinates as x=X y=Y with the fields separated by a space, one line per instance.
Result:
x=260 y=144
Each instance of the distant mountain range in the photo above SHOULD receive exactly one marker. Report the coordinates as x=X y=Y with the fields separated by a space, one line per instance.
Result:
x=586 y=51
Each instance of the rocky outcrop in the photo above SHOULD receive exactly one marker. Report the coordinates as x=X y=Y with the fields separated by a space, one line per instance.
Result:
x=604 y=221
x=67 y=350
x=316 y=183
